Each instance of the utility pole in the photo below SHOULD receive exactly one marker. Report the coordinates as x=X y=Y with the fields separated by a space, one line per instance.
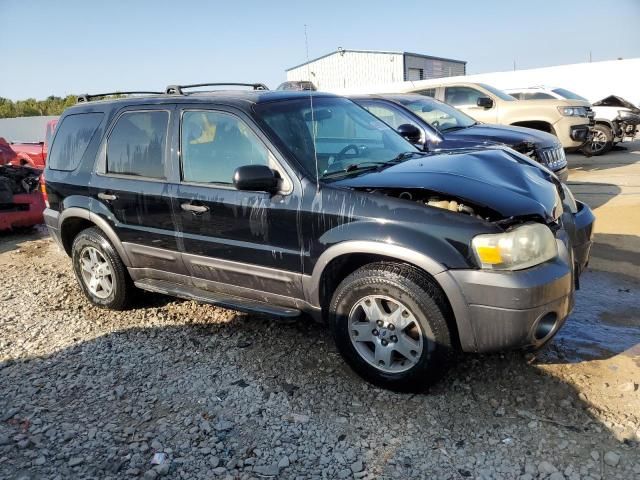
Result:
x=590 y=56
x=514 y=64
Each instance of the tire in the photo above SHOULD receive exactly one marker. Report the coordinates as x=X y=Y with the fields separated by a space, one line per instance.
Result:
x=92 y=247
x=601 y=142
x=392 y=290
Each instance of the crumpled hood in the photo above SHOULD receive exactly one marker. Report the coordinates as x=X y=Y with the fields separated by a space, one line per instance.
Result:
x=505 y=182
x=507 y=135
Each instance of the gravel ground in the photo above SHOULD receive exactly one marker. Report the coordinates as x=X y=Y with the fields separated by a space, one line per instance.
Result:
x=211 y=393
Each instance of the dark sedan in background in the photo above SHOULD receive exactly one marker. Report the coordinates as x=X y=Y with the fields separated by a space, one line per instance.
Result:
x=439 y=126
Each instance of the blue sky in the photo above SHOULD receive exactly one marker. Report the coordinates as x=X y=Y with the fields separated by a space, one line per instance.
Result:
x=66 y=46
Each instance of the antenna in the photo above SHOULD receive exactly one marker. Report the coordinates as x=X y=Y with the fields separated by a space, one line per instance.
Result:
x=313 y=120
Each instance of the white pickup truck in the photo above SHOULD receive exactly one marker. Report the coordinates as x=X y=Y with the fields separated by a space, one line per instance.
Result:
x=616 y=119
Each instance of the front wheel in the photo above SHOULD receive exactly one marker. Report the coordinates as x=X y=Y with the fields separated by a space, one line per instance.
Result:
x=389 y=324
x=601 y=141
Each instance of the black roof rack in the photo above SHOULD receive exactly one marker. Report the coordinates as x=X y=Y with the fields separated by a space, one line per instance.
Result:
x=87 y=98
x=178 y=89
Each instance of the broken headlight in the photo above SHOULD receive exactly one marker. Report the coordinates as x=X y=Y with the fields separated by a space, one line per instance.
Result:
x=523 y=247
x=573 y=111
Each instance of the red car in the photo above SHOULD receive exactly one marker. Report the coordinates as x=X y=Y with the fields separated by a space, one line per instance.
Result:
x=21 y=199
x=33 y=154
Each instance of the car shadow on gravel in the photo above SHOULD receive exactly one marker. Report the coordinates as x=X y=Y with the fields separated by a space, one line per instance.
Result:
x=242 y=393
x=13 y=239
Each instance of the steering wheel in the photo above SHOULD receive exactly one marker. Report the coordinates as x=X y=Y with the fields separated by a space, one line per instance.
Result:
x=435 y=124
x=340 y=156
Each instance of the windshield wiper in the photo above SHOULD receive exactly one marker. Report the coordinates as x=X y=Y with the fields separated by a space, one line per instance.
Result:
x=373 y=165
x=354 y=167
x=403 y=156
x=450 y=129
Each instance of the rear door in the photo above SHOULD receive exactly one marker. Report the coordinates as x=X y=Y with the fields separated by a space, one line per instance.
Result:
x=132 y=188
x=466 y=99
x=237 y=242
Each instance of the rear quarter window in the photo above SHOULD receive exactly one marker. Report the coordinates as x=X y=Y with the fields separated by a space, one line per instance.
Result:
x=71 y=140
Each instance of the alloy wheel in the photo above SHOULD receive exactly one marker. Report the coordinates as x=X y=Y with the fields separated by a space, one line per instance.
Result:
x=97 y=274
x=385 y=333
x=598 y=142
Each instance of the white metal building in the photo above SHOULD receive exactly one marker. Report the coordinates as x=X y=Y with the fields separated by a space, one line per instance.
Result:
x=356 y=68
x=594 y=81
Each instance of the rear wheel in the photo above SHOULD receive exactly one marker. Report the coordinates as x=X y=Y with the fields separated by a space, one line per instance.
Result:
x=99 y=270
x=601 y=141
x=389 y=324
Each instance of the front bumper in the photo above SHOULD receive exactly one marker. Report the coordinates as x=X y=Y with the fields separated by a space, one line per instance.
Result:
x=25 y=211
x=580 y=133
x=506 y=310
x=573 y=132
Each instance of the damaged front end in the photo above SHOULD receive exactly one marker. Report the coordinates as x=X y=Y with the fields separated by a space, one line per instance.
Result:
x=491 y=184
x=21 y=202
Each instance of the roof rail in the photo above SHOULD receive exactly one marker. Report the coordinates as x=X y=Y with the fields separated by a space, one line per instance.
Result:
x=178 y=89
x=87 y=98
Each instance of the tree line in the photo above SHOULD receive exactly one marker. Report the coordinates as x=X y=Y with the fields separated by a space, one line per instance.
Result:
x=31 y=107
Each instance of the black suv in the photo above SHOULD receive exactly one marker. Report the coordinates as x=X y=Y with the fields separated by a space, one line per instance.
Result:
x=288 y=202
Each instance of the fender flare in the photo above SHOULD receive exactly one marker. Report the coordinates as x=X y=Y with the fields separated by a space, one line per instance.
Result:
x=420 y=260
x=98 y=221
x=607 y=122
x=440 y=274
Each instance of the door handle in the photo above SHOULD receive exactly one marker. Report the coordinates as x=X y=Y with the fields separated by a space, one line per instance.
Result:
x=107 y=196
x=190 y=207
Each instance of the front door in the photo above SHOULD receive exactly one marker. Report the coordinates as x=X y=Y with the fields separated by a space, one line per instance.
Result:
x=237 y=242
x=132 y=190
x=466 y=100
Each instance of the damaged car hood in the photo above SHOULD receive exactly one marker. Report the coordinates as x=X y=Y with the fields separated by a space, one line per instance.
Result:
x=494 y=178
x=615 y=101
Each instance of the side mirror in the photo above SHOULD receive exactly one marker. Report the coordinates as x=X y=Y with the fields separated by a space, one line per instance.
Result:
x=256 y=178
x=484 y=102
x=410 y=132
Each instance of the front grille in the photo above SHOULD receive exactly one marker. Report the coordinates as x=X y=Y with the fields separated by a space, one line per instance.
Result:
x=554 y=157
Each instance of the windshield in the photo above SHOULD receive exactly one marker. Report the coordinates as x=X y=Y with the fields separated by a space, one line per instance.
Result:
x=569 y=95
x=347 y=137
x=497 y=93
x=437 y=114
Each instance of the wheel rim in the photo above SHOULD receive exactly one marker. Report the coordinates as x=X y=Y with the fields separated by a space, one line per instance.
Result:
x=385 y=333
x=598 y=141
x=96 y=272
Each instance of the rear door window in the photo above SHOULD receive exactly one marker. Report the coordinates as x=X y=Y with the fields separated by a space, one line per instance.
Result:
x=71 y=141
x=137 y=143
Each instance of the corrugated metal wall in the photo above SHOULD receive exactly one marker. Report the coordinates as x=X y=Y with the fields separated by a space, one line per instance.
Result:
x=351 y=69
x=24 y=129
x=421 y=68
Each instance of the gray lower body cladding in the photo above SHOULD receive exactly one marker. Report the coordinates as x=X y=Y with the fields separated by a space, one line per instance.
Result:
x=505 y=310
